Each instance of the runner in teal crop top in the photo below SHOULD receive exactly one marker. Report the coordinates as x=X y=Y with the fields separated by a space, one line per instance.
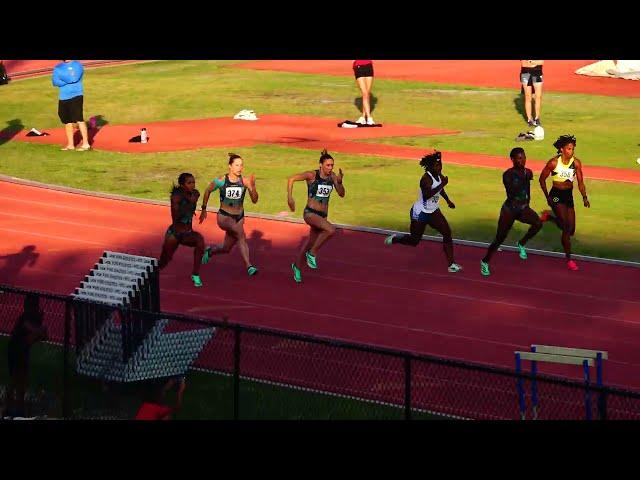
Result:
x=233 y=187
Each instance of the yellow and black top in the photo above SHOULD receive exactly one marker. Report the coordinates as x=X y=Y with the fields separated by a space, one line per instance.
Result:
x=564 y=172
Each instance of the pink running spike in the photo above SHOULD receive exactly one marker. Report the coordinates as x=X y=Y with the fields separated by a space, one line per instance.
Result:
x=544 y=216
x=572 y=265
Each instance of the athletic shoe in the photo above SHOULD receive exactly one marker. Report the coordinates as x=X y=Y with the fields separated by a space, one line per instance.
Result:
x=484 y=268
x=370 y=121
x=206 y=256
x=454 y=268
x=522 y=252
x=196 y=280
x=531 y=123
x=361 y=121
x=297 y=274
x=571 y=265
x=537 y=122
x=545 y=216
x=251 y=270
x=389 y=240
x=311 y=260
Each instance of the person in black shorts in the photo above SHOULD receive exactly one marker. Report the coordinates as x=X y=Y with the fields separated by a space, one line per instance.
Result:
x=531 y=79
x=184 y=198
x=516 y=182
x=363 y=71
x=68 y=77
x=27 y=331
x=320 y=184
x=233 y=187
x=564 y=169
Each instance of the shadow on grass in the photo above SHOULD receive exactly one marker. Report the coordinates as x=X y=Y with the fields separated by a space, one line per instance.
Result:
x=358 y=103
x=12 y=129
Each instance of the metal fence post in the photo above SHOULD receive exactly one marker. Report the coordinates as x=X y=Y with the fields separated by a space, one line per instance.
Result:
x=66 y=386
x=407 y=388
x=236 y=373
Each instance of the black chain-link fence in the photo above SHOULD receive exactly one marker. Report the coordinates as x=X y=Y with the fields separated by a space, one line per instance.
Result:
x=101 y=362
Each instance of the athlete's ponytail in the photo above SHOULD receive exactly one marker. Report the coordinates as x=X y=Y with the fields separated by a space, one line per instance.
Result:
x=324 y=155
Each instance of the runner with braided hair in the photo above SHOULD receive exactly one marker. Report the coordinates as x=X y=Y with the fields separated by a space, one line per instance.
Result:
x=564 y=169
x=184 y=198
x=425 y=211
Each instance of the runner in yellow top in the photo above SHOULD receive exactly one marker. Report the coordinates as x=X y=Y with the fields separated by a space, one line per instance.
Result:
x=564 y=169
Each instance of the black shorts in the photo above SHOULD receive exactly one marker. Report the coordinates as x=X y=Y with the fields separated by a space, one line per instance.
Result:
x=561 y=196
x=70 y=111
x=237 y=217
x=363 y=70
x=180 y=236
x=531 y=75
x=313 y=210
x=516 y=210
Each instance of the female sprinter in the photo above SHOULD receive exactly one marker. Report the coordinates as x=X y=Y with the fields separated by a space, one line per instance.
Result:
x=320 y=184
x=425 y=211
x=564 y=170
x=184 y=198
x=233 y=188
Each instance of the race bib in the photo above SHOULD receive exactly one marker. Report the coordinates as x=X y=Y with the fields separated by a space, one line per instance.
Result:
x=324 y=191
x=233 y=193
x=566 y=174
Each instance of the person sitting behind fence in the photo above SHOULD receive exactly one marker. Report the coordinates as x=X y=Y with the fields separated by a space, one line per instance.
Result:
x=154 y=407
x=27 y=331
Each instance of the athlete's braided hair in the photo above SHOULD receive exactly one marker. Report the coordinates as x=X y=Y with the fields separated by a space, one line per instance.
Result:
x=181 y=181
x=429 y=160
x=232 y=157
x=564 y=140
x=324 y=155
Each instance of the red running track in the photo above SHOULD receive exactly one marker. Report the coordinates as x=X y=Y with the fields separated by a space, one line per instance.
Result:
x=365 y=292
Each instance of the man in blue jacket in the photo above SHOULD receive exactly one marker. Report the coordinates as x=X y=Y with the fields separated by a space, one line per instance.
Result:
x=68 y=77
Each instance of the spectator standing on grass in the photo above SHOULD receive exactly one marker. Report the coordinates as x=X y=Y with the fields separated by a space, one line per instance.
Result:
x=363 y=71
x=67 y=76
x=531 y=80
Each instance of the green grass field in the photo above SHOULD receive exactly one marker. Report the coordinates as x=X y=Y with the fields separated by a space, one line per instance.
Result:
x=379 y=190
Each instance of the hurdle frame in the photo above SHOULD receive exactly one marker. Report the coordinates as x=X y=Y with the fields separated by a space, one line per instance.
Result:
x=563 y=355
